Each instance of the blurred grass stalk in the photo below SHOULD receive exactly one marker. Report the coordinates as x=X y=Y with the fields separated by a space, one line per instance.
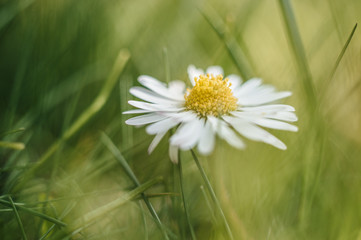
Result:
x=98 y=103
x=213 y=195
x=12 y=145
x=299 y=54
x=117 y=154
x=234 y=50
x=90 y=217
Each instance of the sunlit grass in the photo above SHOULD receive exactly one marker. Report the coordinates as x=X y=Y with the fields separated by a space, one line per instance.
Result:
x=70 y=167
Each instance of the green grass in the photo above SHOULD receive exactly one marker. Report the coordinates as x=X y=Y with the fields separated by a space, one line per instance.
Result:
x=71 y=169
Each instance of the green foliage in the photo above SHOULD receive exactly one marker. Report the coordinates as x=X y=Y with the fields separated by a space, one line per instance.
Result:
x=71 y=169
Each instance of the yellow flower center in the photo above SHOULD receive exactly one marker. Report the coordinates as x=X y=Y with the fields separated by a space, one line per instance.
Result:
x=210 y=95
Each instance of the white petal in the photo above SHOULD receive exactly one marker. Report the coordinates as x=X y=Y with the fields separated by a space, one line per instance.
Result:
x=194 y=72
x=187 y=135
x=262 y=99
x=215 y=70
x=177 y=87
x=248 y=86
x=154 y=107
x=136 y=111
x=283 y=116
x=173 y=154
x=161 y=126
x=207 y=139
x=185 y=116
x=145 y=119
x=267 y=108
x=158 y=87
x=254 y=133
x=226 y=133
x=150 y=96
x=274 y=124
x=235 y=81
x=155 y=141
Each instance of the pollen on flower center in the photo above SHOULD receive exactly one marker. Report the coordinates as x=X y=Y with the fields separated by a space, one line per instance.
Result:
x=211 y=95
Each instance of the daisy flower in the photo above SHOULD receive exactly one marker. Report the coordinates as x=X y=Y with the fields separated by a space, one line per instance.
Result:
x=213 y=106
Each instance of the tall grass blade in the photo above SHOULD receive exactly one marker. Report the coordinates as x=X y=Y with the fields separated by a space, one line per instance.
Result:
x=180 y=170
x=94 y=108
x=92 y=216
x=298 y=52
x=12 y=132
x=18 y=218
x=213 y=194
x=234 y=50
x=338 y=60
x=35 y=213
x=117 y=154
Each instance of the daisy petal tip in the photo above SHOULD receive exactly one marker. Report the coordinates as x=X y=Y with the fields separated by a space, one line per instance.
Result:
x=215 y=70
x=150 y=150
x=287 y=93
x=282 y=147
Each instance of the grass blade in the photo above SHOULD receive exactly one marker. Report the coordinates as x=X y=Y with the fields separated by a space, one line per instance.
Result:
x=339 y=58
x=213 y=194
x=103 y=210
x=229 y=41
x=12 y=145
x=12 y=132
x=18 y=218
x=298 y=51
x=208 y=204
x=35 y=213
x=343 y=51
x=117 y=154
x=94 y=108
x=180 y=170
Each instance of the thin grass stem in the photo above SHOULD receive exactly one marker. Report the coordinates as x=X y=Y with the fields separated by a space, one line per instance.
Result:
x=232 y=47
x=94 y=108
x=206 y=197
x=103 y=210
x=3 y=134
x=213 y=194
x=144 y=218
x=180 y=170
x=18 y=218
x=35 y=213
x=337 y=63
x=117 y=154
x=12 y=145
x=298 y=52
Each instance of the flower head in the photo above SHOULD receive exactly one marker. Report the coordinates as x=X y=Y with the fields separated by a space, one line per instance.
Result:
x=213 y=106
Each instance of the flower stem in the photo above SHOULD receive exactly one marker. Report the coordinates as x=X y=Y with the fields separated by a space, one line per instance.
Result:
x=213 y=195
x=183 y=198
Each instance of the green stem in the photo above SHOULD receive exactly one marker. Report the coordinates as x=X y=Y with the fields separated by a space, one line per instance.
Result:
x=35 y=213
x=213 y=194
x=183 y=197
x=18 y=218
x=298 y=52
x=118 y=155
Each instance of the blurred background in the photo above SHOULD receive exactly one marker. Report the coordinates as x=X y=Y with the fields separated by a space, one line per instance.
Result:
x=65 y=71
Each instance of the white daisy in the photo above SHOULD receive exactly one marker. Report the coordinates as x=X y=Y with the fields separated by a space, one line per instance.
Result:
x=213 y=106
